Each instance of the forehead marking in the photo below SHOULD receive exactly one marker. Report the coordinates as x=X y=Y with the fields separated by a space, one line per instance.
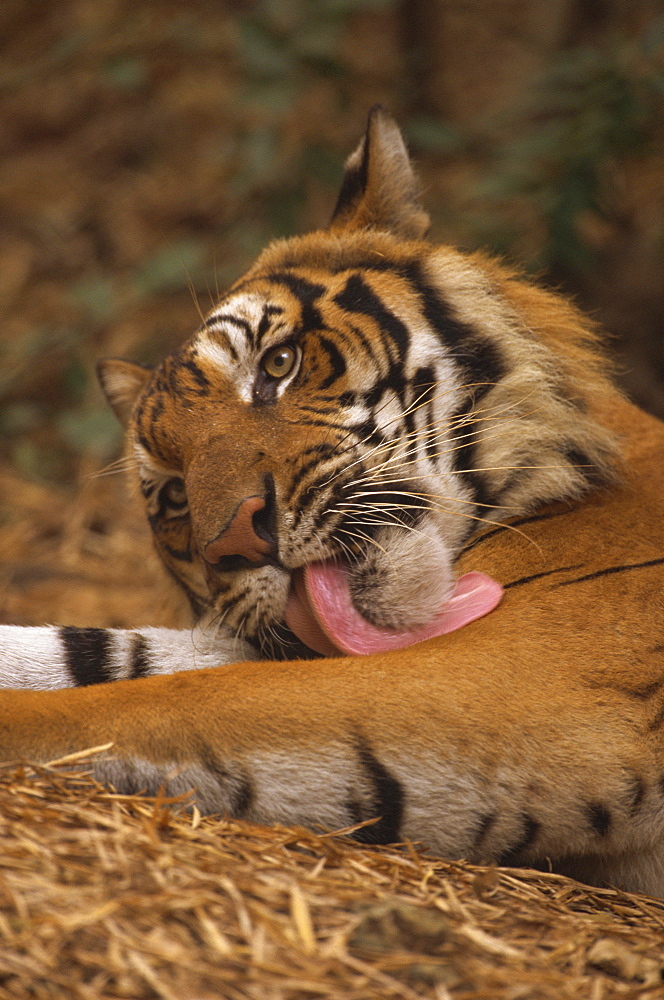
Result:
x=239 y=326
x=238 y=317
x=215 y=352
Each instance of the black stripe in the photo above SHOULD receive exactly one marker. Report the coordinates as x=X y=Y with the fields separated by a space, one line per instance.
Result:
x=354 y=184
x=592 y=474
x=147 y=487
x=424 y=386
x=530 y=830
x=87 y=651
x=635 y=794
x=265 y=324
x=464 y=455
x=538 y=576
x=478 y=358
x=320 y=452
x=199 y=376
x=307 y=495
x=612 y=569
x=243 y=796
x=143 y=441
x=234 y=782
x=387 y=801
x=513 y=524
x=337 y=362
x=139 y=661
x=486 y=824
x=307 y=292
x=372 y=397
x=182 y=555
x=198 y=603
x=158 y=407
x=642 y=692
x=381 y=503
x=657 y=721
x=599 y=818
x=358 y=297
x=236 y=321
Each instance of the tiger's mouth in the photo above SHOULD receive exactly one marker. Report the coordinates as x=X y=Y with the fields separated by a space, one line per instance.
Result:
x=321 y=613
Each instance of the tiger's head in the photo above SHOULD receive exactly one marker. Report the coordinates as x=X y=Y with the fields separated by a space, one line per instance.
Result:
x=352 y=410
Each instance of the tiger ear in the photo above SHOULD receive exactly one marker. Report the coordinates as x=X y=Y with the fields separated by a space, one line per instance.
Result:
x=121 y=382
x=380 y=189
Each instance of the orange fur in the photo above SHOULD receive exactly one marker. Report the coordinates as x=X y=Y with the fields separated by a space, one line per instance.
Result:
x=545 y=716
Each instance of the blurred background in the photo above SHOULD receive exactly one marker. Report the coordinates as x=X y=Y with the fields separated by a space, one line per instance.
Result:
x=150 y=150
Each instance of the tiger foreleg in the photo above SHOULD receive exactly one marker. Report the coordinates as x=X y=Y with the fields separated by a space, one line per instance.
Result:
x=48 y=657
x=332 y=743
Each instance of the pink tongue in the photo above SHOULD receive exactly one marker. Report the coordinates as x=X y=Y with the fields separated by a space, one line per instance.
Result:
x=320 y=612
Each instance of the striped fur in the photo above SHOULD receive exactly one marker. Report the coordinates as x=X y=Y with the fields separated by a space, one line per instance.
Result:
x=362 y=392
x=432 y=391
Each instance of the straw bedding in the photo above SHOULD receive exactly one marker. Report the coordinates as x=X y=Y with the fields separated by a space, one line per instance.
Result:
x=108 y=896
x=112 y=896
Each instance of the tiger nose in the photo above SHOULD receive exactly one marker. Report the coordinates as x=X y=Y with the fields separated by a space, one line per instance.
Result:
x=245 y=535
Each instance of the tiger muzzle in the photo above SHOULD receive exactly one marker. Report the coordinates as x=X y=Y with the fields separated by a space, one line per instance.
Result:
x=247 y=535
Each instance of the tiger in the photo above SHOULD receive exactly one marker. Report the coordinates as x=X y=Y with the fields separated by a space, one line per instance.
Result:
x=421 y=535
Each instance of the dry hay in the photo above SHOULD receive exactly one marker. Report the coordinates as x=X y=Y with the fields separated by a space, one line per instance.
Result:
x=82 y=558
x=105 y=895
x=109 y=896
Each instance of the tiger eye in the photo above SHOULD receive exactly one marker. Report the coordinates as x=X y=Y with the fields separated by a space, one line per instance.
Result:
x=175 y=492
x=279 y=361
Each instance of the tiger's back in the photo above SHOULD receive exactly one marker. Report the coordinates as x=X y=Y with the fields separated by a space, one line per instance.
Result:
x=365 y=411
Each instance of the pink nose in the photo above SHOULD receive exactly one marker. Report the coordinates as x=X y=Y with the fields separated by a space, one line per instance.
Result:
x=240 y=538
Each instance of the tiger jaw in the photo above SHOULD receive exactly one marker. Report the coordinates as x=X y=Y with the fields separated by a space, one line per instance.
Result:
x=392 y=594
x=399 y=584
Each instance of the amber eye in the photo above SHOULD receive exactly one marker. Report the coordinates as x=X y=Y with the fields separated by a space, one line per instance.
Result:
x=174 y=493
x=279 y=361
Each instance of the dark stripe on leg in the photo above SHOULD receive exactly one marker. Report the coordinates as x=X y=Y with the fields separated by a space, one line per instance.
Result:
x=387 y=801
x=139 y=662
x=530 y=831
x=487 y=822
x=635 y=794
x=234 y=782
x=87 y=651
x=599 y=818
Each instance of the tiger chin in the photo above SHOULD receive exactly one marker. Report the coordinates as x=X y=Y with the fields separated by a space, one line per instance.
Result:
x=422 y=538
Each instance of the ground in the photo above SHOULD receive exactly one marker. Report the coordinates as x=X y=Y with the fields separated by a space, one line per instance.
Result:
x=149 y=152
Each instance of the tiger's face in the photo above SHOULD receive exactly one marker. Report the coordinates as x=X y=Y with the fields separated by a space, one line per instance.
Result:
x=314 y=457
x=290 y=431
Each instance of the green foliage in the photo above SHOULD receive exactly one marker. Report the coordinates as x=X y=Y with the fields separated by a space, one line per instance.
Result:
x=434 y=135
x=126 y=72
x=97 y=295
x=286 y=46
x=92 y=430
x=167 y=268
x=588 y=111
